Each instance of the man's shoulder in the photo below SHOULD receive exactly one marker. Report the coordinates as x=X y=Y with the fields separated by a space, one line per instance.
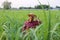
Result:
x=26 y=22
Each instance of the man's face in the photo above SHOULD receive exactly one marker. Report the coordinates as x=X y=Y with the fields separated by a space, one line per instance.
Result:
x=31 y=19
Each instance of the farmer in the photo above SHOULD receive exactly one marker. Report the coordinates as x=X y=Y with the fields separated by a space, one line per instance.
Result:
x=32 y=22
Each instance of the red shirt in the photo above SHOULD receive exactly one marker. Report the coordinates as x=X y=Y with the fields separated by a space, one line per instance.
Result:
x=32 y=24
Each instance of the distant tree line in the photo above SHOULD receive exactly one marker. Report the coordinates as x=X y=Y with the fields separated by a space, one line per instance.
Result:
x=57 y=6
x=26 y=8
x=42 y=6
x=7 y=5
x=37 y=7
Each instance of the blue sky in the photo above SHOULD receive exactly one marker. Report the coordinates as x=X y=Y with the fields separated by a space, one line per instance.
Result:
x=31 y=3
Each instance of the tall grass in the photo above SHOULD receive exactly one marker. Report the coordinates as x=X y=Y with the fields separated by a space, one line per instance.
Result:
x=46 y=31
x=49 y=20
x=49 y=37
x=12 y=30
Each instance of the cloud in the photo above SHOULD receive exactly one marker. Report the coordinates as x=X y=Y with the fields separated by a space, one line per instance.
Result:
x=32 y=3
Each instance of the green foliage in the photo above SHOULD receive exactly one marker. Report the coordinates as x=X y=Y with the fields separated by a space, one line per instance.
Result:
x=11 y=22
x=44 y=6
x=6 y=5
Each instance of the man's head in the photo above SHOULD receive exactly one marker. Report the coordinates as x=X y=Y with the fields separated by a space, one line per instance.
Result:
x=31 y=16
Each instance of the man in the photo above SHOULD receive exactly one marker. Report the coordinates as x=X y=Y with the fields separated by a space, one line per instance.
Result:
x=32 y=22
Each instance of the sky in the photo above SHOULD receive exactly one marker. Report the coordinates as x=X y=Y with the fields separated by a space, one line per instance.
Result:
x=31 y=3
